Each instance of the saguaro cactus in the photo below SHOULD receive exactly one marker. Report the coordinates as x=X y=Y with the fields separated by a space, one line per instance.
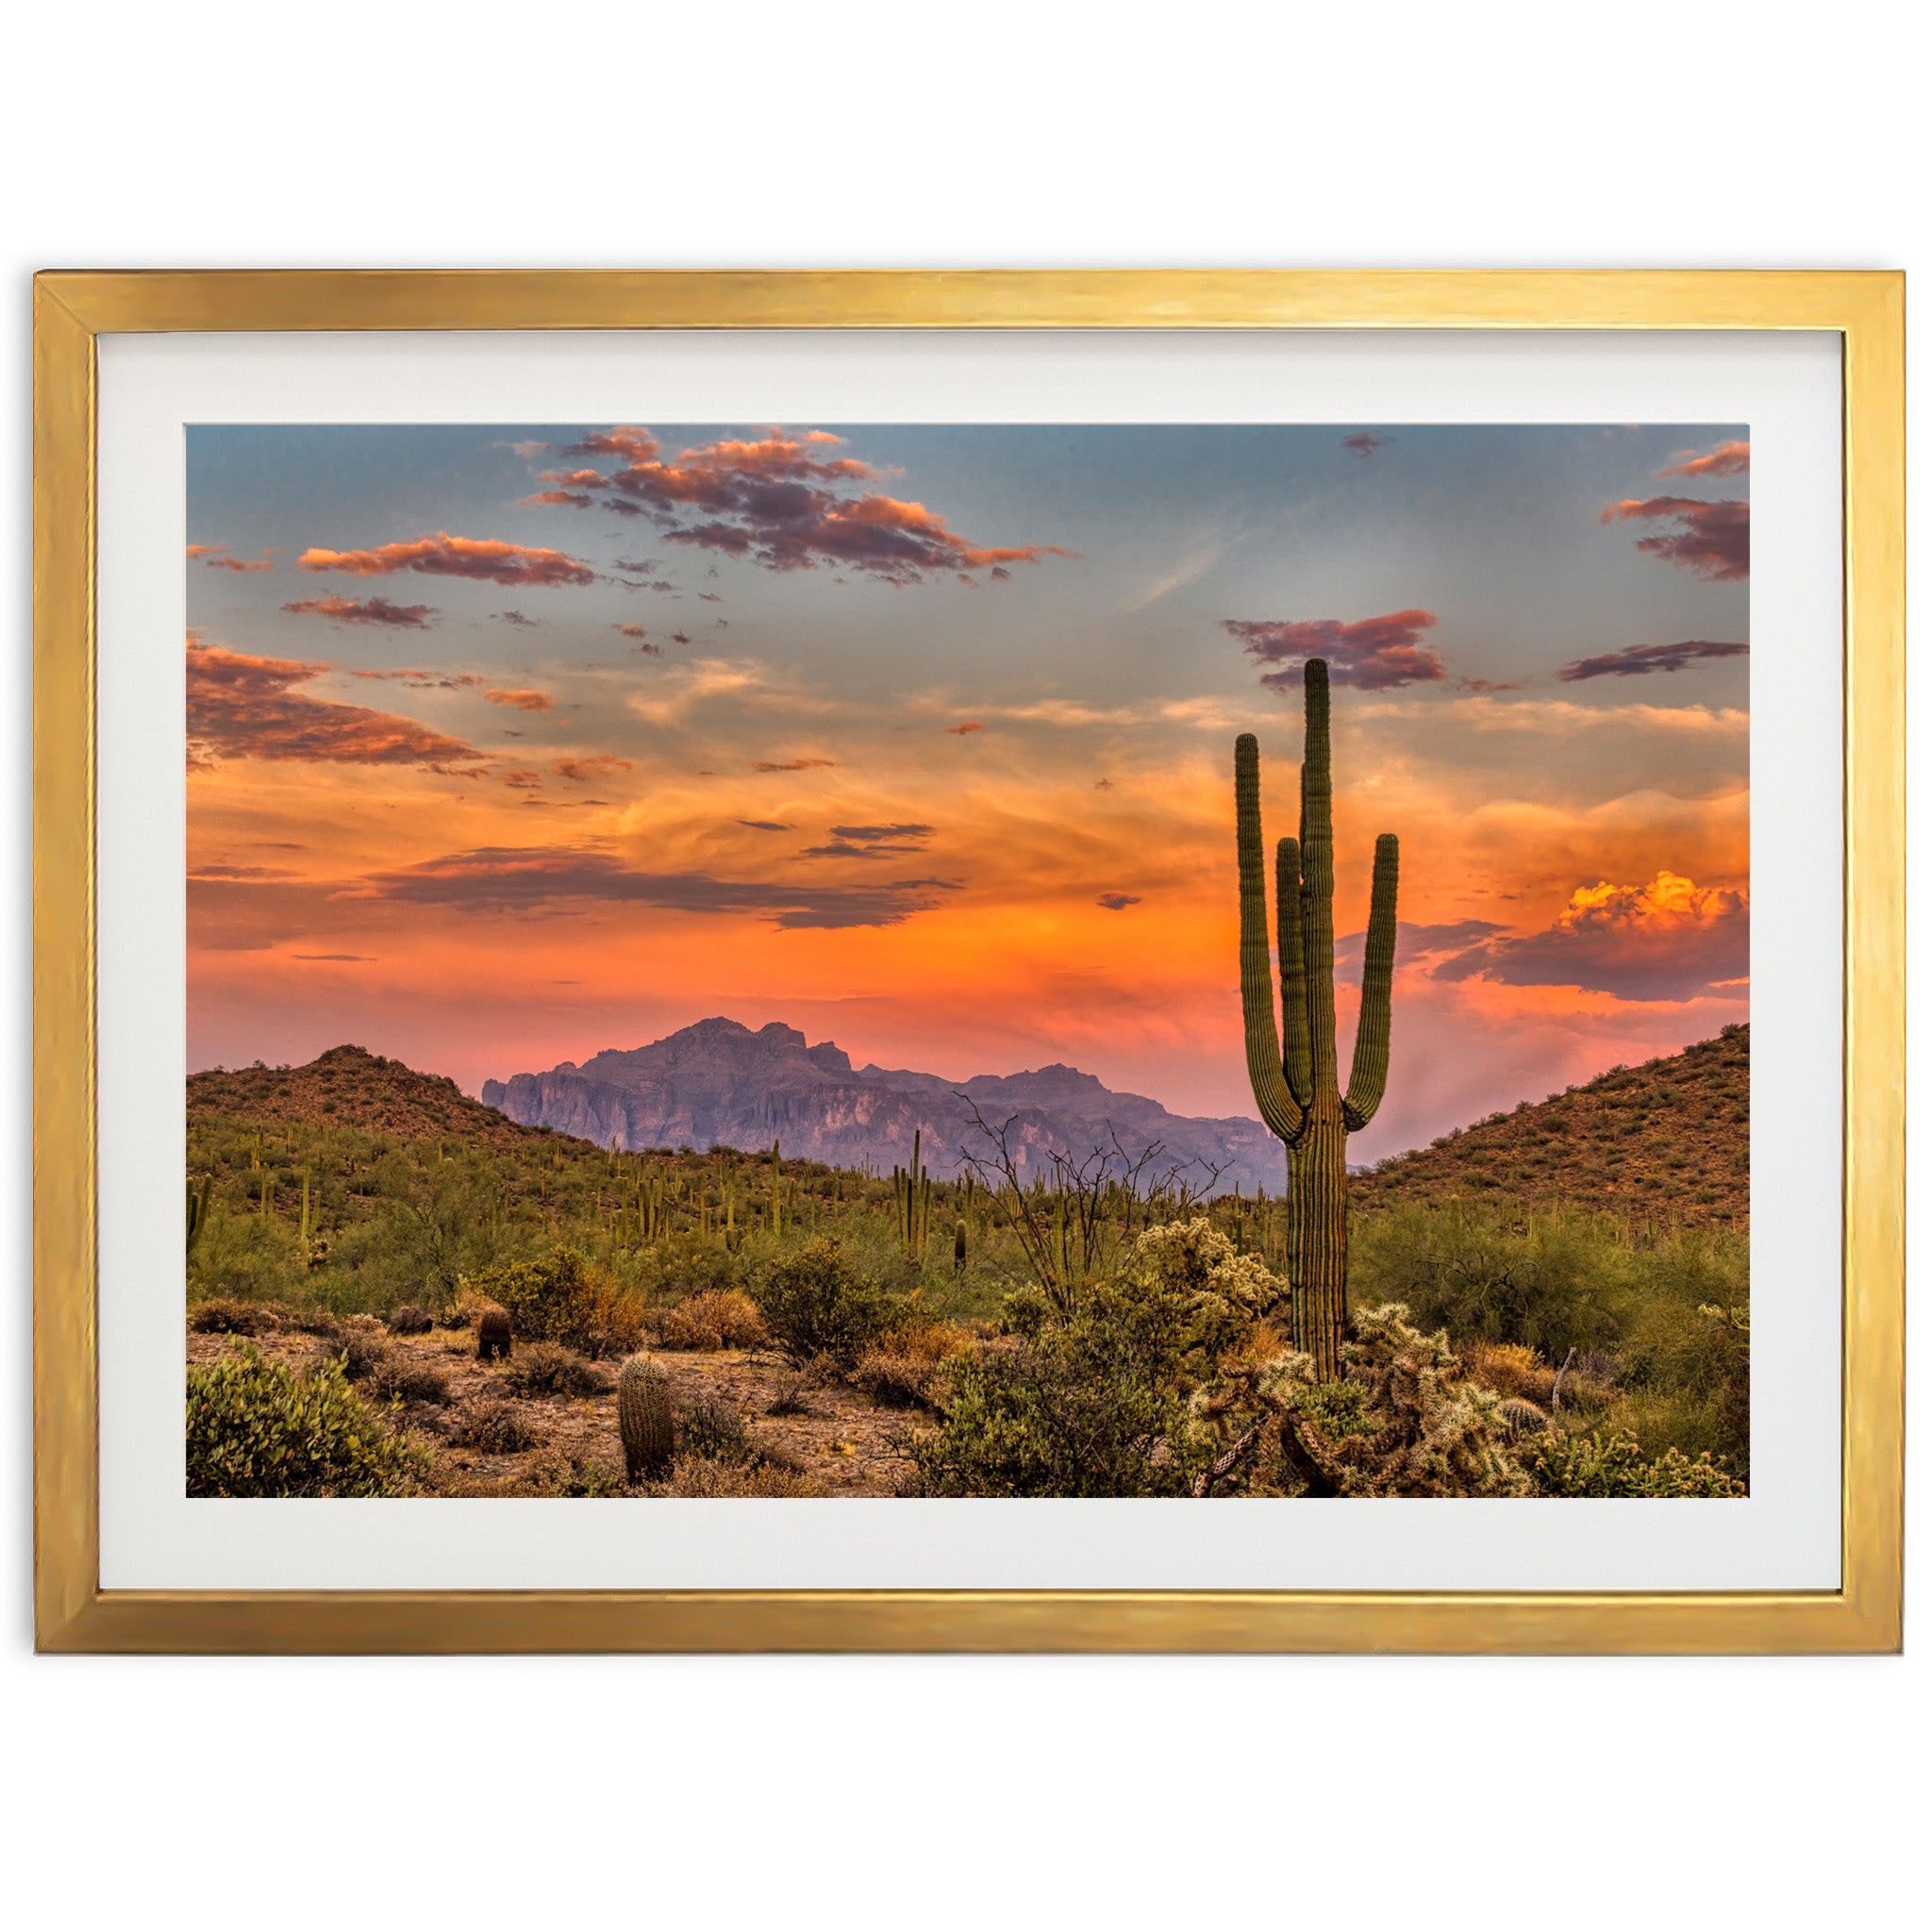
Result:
x=1295 y=1080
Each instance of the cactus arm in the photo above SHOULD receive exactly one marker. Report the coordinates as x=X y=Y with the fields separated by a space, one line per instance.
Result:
x=1317 y=883
x=1294 y=983
x=1279 y=1108
x=1370 y=1074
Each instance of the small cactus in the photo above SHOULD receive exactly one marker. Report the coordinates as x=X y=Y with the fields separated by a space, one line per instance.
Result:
x=198 y=1199
x=408 y=1320
x=958 y=1247
x=492 y=1335
x=644 y=1421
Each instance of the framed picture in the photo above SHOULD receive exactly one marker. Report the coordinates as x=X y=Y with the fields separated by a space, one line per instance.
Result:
x=984 y=961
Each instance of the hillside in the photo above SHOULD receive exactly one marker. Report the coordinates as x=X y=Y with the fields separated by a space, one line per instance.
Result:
x=718 y=1082
x=1666 y=1142
x=347 y=1086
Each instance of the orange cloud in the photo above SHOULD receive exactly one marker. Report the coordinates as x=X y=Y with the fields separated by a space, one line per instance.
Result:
x=521 y=700
x=1671 y=940
x=240 y=706
x=960 y=730
x=1377 y=654
x=367 y=610
x=441 y=555
x=1726 y=460
x=1712 y=540
x=791 y=764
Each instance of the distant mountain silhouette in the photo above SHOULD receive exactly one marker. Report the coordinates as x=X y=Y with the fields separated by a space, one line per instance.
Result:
x=719 y=1082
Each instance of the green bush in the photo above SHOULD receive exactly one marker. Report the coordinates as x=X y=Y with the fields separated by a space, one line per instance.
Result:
x=550 y=1300
x=815 y=1306
x=1489 y=1273
x=1102 y=1401
x=256 y=1427
x=1613 y=1465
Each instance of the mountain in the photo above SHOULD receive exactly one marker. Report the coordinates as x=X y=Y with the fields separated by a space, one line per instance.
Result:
x=351 y=1088
x=1668 y=1140
x=719 y=1082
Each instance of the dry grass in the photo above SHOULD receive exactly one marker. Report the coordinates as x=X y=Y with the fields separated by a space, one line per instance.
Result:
x=719 y=1318
x=702 y=1476
x=1509 y=1369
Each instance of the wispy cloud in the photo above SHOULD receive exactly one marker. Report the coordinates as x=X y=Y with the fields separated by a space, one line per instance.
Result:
x=1365 y=442
x=1726 y=460
x=378 y=610
x=1711 y=540
x=1197 y=563
x=1118 y=902
x=485 y=559
x=1376 y=654
x=1641 y=660
x=521 y=700
x=215 y=557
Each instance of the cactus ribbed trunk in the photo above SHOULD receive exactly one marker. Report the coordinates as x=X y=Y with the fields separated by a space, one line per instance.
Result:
x=1295 y=1080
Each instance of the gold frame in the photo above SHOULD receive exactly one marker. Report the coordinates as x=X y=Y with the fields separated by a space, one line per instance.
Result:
x=72 y=1612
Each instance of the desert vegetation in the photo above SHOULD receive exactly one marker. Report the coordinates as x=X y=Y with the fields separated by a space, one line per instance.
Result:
x=807 y=1331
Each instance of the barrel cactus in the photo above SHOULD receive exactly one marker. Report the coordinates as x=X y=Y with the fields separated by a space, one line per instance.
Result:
x=1295 y=1078
x=493 y=1333
x=644 y=1419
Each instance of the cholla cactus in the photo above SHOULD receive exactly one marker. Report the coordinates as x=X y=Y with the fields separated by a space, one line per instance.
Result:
x=1294 y=1079
x=644 y=1419
x=1434 y=1434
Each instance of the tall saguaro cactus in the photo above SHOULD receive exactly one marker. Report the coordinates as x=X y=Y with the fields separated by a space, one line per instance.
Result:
x=1295 y=1078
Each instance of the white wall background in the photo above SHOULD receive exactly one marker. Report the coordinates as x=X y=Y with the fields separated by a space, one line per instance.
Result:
x=940 y=1792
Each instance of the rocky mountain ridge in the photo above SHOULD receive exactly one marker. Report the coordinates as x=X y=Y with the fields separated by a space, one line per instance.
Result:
x=718 y=1082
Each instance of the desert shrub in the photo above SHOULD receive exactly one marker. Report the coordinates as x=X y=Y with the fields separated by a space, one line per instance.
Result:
x=495 y=1428
x=718 y=1318
x=790 y=1397
x=558 y=1299
x=1614 y=1465
x=814 y=1304
x=711 y=1428
x=1100 y=1400
x=222 y=1315
x=256 y=1427
x=1551 y=1281
x=905 y=1371
x=360 y=1350
x=544 y=1367
x=409 y=1320
x=397 y=1376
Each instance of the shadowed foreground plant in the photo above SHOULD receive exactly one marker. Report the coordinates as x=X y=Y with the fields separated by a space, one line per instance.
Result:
x=256 y=1427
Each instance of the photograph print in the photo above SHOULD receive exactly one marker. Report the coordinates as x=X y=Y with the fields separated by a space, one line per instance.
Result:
x=839 y=959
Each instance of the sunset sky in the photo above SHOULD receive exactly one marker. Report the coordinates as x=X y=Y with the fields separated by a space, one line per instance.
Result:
x=508 y=744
